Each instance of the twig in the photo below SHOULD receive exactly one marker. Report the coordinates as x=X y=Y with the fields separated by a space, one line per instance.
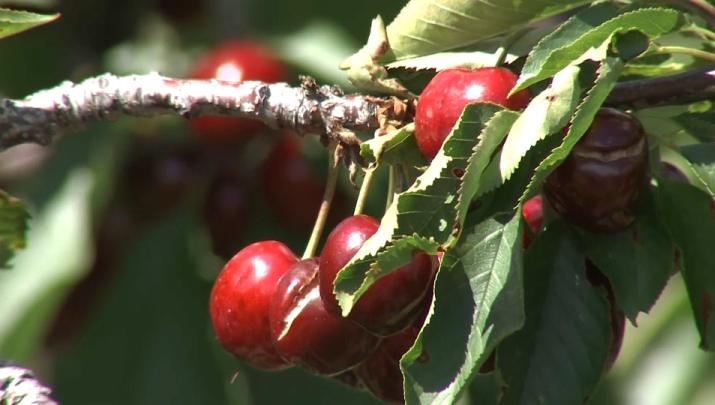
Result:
x=310 y=108
x=323 y=110
x=20 y=386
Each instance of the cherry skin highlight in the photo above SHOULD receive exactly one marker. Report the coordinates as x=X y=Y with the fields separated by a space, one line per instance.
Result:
x=306 y=334
x=445 y=96
x=598 y=184
x=392 y=303
x=234 y=61
x=240 y=300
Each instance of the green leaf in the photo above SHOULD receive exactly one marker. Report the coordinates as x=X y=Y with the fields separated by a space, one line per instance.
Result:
x=478 y=300
x=396 y=147
x=473 y=181
x=702 y=161
x=13 y=227
x=449 y=60
x=689 y=215
x=560 y=353
x=148 y=339
x=57 y=257
x=630 y=44
x=421 y=218
x=699 y=124
x=638 y=261
x=13 y=21
x=608 y=73
x=425 y=27
x=546 y=114
x=589 y=30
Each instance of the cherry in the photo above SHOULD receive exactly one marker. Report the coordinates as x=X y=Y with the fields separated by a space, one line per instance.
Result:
x=380 y=373
x=306 y=334
x=293 y=191
x=240 y=300
x=533 y=213
x=235 y=61
x=618 y=318
x=349 y=379
x=672 y=173
x=445 y=96
x=393 y=302
x=600 y=181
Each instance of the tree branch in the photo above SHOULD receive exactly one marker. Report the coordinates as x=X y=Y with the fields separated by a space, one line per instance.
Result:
x=19 y=386
x=691 y=86
x=323 y=110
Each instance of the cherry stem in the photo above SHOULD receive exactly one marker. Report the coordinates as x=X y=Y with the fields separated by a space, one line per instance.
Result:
x=501 y=53
x=390 y=187
x=700 y=31
x=328 y=194
x=696 y=53
x=364 y=190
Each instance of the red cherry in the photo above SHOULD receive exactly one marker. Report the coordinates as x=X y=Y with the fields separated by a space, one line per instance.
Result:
x=235 y=61
x=293 y=191
x=598 y=184
x=240 y=300
x=445 y=96
x=533 y=213
x=306 y=334
x=393 y=302
x=380 y=373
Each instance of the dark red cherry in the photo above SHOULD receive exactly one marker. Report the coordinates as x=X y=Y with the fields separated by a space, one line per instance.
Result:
x=306 y=334
x=618 y=318
x=445 y=96
x=392 y=303
x=598 y=184
x=235 y=61
x=380 y=373
x=241 y=298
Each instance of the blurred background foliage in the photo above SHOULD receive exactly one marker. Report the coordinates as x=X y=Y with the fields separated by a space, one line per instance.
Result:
x=108 y=304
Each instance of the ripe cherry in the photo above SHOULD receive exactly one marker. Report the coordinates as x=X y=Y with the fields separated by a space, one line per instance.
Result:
x=306 y=334
x=445 y=96
x=598 y=184
x=393 y=302
x=533 y=213
x=240 y=300
x=618 y=318
x=380 y=373
x=235 y=61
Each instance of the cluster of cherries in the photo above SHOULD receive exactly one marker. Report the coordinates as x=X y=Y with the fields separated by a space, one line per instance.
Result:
x=273 y=310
